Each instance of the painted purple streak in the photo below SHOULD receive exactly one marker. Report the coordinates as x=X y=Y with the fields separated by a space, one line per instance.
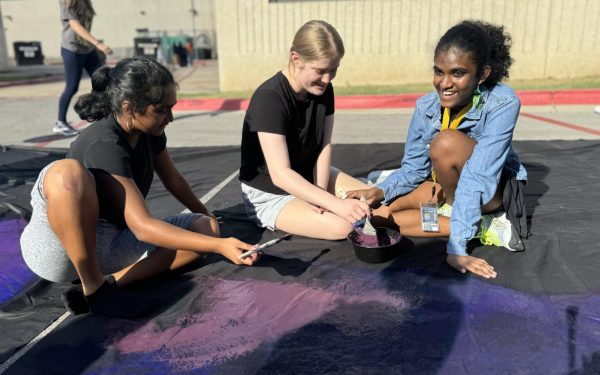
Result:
x=493 y=329
x=501 y=326
x=15 y=276
x=245 y=314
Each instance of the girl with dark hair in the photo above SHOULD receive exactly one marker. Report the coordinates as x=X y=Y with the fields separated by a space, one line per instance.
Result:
x=89 y=217
x=287 y=179
x=468 y=182
x=79 y=50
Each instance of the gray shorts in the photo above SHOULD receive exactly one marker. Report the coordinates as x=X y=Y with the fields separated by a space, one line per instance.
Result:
x=263 y=207
x=116 y=248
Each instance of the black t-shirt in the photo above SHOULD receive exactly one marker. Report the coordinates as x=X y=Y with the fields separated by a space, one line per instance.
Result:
x=103 y=149
x=274 y=108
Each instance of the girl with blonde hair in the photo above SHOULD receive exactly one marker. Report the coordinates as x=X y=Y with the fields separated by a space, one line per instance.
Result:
x=287 y=179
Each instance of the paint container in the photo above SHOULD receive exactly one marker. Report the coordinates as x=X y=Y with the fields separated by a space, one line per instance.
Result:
x=376 y=249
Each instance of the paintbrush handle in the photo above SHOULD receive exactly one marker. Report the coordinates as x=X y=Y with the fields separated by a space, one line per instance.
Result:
x=260 y=248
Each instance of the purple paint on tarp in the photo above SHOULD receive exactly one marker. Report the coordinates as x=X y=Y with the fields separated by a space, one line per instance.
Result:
x=530 y=332
x=243 y=315
x=495 y=328
x=406 y=322
x=15 y=276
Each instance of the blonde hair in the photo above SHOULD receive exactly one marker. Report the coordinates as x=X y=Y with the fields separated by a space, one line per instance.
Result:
x=316 y=40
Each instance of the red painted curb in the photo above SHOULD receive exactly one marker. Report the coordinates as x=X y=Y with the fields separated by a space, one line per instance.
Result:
x=528 y=98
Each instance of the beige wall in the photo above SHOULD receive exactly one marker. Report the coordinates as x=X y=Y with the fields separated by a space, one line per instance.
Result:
x=116 y=21
x=392 y=41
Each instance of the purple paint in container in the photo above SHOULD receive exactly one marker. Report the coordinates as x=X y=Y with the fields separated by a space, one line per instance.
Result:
x=375 y=249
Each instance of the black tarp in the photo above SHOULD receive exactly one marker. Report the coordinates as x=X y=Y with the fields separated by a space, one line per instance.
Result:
x=310 y=306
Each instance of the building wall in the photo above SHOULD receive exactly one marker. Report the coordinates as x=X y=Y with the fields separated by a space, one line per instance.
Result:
x=392 y=41
x=116 y=22
x=387 y=41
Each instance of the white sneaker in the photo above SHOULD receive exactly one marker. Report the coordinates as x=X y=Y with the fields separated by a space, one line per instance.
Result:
x=63 y=128
x=597 y=109
x=495 y=229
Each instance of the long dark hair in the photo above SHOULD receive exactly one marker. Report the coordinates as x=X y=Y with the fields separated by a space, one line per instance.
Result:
x=140 y=80
x=82 y=8
x=486 y=43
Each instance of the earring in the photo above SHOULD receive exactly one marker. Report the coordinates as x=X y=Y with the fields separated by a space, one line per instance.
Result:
x=476 y=97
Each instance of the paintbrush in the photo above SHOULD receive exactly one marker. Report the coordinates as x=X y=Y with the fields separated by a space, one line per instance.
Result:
x=259 y=249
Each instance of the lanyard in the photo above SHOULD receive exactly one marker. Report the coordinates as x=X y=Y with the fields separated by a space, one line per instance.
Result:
x=447 y=124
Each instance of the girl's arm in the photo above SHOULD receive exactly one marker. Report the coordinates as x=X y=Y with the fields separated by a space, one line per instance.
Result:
x=126 y=197
x=481 y=174
x=176 y=184
x=414 y=169
x=283 y=176
x=323 y=165
x=82 y=32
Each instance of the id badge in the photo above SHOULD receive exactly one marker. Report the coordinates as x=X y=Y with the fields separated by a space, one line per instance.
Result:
x=429 y=217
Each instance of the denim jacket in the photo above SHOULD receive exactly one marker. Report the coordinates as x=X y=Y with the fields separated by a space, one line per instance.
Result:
x=491 y=124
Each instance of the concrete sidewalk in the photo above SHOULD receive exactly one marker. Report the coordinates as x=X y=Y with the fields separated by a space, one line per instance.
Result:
x=201 y=78
x=29 y=110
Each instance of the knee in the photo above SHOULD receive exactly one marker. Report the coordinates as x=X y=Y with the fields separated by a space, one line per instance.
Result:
x=441 y=145
x=68 y=175
x=451 y=148
x=340 y=230
x=206 y=225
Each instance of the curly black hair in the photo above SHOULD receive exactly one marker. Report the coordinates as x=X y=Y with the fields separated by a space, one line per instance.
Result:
x=486 y=43
x=140 y=80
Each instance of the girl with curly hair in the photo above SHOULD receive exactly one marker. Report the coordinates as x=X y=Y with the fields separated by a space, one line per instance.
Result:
x=459 y=160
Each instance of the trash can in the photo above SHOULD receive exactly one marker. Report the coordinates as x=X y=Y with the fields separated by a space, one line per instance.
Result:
x=28 y=53
x=146 y=46
x=204 y=53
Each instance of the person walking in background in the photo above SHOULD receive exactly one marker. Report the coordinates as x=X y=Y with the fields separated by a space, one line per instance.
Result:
x=181 y=52
x=189 y=49
x=79 y=50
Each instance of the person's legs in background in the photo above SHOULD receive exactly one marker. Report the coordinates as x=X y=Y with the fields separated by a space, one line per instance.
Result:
x=92 y=62
x=73 y=63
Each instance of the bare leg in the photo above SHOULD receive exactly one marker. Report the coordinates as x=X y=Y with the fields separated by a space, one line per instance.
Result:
x=449 y=152
x=342 y=180
x=409 y=222
x=298 y=217
x=164 y=260
x=413 y=200
x=405 y=213
x=72 y=214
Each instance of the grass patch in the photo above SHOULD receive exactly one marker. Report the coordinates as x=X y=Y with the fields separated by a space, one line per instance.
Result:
x=592 y=82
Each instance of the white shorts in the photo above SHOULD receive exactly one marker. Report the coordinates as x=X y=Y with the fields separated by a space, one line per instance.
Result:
x=263 y=207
